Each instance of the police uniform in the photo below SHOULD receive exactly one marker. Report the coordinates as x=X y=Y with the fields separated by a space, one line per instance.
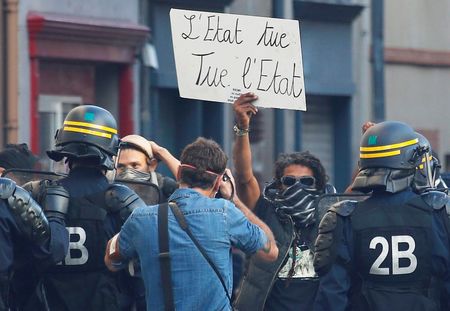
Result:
x=390 y=251
x=97 y=210
x=28 y=239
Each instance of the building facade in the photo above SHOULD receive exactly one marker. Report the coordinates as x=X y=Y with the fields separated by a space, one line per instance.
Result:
x=417 y=67
x=66 y=53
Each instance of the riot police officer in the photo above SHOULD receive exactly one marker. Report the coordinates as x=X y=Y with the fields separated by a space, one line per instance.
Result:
x=88 y=141
x=28 y=238
x=391 y=249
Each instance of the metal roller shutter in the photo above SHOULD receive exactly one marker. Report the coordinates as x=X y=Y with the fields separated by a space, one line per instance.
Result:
x=317 y=132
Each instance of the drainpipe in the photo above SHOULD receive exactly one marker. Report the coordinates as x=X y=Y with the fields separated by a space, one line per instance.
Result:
x=378 y=60
x=2 y=74
x=11 y=8
x=278 y=7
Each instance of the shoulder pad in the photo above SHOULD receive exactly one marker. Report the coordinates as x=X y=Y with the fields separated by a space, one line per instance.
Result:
x=344 y=208
x=436 y=199
x=325 y=246
x=55 y=200
x=7 y=187
x=29 y=216
x=328 y=222
x=121 y=199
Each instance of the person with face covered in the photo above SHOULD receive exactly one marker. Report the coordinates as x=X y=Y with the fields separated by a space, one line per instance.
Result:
x=287 y=206
x=138 y=162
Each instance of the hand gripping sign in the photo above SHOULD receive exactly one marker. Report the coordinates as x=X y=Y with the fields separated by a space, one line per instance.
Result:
x=219 y=56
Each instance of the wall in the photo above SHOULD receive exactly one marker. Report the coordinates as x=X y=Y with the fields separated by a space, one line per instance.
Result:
x=114 y=9
x=418 y=92
x=417 y=24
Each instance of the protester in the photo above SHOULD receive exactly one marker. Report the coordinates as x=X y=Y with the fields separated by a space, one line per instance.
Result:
x=216 y=224
x=287 y=206
x=17 y=156
x=88 y=141
x=390 y=251
x=138 y=162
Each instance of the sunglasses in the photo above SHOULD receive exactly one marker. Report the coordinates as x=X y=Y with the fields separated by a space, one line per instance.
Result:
x=307 y=181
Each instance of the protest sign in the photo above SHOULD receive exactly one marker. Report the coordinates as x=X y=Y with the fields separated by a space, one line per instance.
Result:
x=219 y=56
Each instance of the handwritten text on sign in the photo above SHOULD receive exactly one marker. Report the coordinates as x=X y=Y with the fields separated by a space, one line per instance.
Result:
x=220 y=56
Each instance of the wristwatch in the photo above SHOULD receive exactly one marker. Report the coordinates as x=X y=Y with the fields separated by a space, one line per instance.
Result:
x=240 y=132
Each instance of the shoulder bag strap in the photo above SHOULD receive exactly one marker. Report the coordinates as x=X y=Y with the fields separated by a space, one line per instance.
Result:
x=164 y=256
x=184 y=225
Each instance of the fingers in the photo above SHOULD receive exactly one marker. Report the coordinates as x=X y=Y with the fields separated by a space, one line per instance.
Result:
x=246 y=98
x=153 y=144
x=155 y=148
x=244 y=103
x=249 y=108
x=243 y=109
x=366 y=126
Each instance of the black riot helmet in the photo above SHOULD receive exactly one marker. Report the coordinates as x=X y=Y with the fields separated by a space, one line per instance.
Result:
x=390 y=152
x=89 y=133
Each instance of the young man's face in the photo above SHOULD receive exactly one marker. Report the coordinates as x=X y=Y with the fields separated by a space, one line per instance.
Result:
x=130 y=158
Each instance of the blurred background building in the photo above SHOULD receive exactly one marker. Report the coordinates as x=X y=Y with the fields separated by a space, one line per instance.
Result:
x=57 y=54
x=363 y=60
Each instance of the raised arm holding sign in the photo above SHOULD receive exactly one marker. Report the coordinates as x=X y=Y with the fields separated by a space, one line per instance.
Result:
x=220 y=56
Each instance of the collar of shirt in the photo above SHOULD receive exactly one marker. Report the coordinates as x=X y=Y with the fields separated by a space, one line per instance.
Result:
x=184 y=193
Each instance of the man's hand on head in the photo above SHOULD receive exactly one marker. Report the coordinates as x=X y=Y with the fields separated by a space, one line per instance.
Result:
x=244 y=109
x=157 y=149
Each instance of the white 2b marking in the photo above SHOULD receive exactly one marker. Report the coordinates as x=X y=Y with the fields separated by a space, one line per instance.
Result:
x=396 y=255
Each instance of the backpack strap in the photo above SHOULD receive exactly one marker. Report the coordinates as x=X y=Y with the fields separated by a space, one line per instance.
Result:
x=164 y=255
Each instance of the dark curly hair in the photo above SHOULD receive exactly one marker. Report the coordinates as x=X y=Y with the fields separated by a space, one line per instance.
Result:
x=205 y=155
x=305 y=159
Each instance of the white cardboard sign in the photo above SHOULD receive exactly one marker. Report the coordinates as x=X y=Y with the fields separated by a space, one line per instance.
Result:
x=220 y=56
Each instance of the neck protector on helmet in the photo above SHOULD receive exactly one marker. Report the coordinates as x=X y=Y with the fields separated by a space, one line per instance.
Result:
x=383 y=179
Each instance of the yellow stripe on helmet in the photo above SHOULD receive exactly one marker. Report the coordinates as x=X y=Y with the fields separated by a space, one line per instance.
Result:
x=387 y=147
x=91 y=125
x=86 y=131
x=379 y=154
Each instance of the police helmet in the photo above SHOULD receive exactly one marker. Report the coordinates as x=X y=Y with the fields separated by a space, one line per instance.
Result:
x=390 y=144
x=88 y=132
x=390 y=152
